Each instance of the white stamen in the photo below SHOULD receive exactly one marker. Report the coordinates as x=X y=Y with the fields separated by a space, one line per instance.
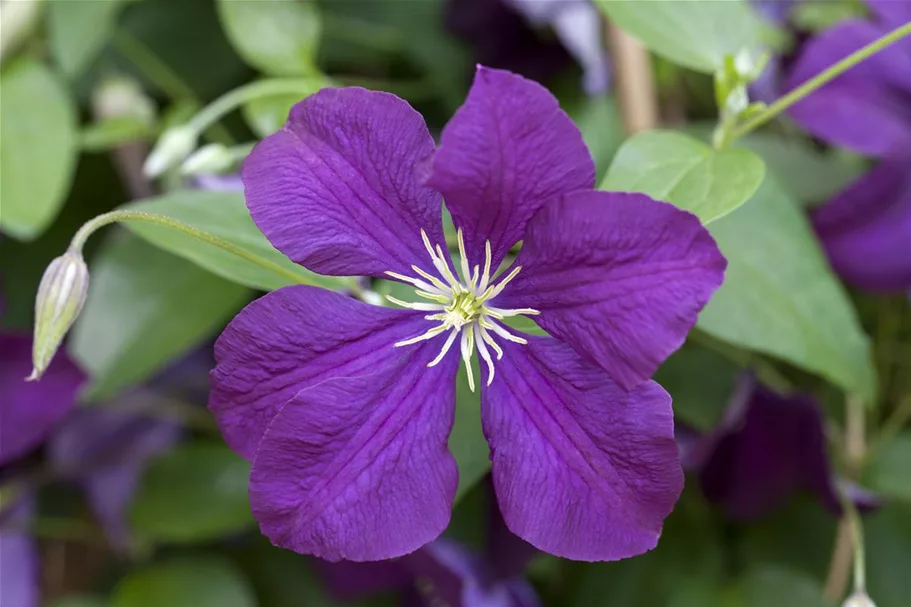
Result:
x=485 y=336
x=485 y=277
x=421 y=307
x=501 y=313
x=467 y=346
x=492 y=326
x=417 y=282
x=482 y=350
x=452 y=335
x=439 y=284
x=466 y=270
x=423 y=337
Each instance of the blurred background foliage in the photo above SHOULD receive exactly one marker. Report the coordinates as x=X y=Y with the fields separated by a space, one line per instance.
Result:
x=87 y=88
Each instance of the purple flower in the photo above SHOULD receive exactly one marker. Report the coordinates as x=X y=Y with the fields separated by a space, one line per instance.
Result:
x=18 y=557
x=346 y=408
x=30 y=410
x=767 y=448
x=867 y=227
x=444 y=572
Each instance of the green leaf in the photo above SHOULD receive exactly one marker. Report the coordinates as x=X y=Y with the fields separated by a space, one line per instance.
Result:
x=202 y=581
x=693 y=33
x=81 y=601
x=887 y=534
x=78 y=31
x=776 y=587
x=144 y=308
x=194 y=493
x=890 y=471
x=115 y=131
x=602 y=129
x=700 y=382
x=266 y=115
x=38 y=144
x=679 y=169
x=225 y=215
x=278 y=38
x=780 y=297
x=467 y=442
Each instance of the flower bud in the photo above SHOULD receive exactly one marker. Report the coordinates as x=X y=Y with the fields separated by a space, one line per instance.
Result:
x=212 y=158
x=119 y=96
x=172 y=148
x=859 y=599
x=19 y=20
x=61 y=295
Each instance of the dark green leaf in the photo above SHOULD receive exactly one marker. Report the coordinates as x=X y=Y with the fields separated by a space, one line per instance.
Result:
x=266 y=115
x=38 y=145
x=115 y=131
x=888 y=544
x=777 y=587
x=81 y=601
x=224 y=215
x=185 y=582
x=467 y=442
x=278 y=38
x=890 y=471
x=701 y=382
x=145 y=307
x=79 y=30
x=694 y=33
x=196 y=492
x=780 y=297
x=681 y=170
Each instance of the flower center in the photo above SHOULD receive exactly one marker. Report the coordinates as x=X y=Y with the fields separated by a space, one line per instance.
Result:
x=461 y=306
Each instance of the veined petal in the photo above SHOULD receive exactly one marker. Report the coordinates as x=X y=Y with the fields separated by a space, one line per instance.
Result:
x=30 y=410
x=508 y=151
x=359 y=468
x=891 y=14
x=620 y=277
x=582 y=468
x=291 y=339
x=336 y=189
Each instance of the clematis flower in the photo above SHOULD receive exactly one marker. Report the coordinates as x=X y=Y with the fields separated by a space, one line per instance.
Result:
x=345 y=408
x=767 y=448
x=867 y=227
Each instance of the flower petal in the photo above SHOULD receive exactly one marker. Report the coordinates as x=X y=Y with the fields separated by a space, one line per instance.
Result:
x=620 y=277
x=582 y=468
x=506 y=153
x=358 y=468
x=19 y=561
x=336 y=189
x=29 y=410
x=891 y=13
x=866 y=229
x=863 y=109
x=291 y=339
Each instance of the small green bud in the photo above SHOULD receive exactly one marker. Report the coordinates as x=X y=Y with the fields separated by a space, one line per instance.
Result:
x=61 y=295
x=118 y=96
x=859 y=599
x=172 y=148
x=211 y=158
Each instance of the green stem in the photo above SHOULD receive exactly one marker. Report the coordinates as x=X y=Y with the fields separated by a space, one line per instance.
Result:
x=162 y=76
x=893 y=424
x=241 y=95
x=820 y=79
x=123 y=216
x=857 y=540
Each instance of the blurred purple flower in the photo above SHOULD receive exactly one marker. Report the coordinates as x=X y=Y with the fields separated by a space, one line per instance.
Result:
x=866 y=229
x=345 y=408
x=501 y=35
x=19 y=583
x=444 y=572
x=224 y=183
x=767 y=448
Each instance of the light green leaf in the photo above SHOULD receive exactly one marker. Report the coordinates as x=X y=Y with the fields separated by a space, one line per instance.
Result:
x=266 y=115
x=38 y=145
x=693 y=33
x=780 y=297
x=467 y=442
x=602 y=129
x=679 y=169
x=201 y=581
x=224 y=215
x=78 y=31
x=194 y=493
x=278 y=38
x=776 y=587
x=144 y=308
x=111 y=132
x=890 y=471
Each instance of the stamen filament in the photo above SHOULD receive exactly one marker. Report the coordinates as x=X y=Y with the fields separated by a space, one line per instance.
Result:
x=485 y=355
x=485 y=278
x=439 y=284
x=467 y=346
x=504 y=333
x=417 y=282
x=466 y=270
x=446 y=346
x=423 y=337
x=421 y=307
x=501 y=313
x=485 y=336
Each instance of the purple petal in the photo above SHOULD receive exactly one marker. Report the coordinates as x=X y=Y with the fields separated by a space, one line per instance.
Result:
x=620 y=277
x=508 y=554
x=866 y=229
x=863 y=109
x=291 y=339
x=768 y=448
x=19 y=561
x=891 y=13
x=107 y=450
x=348 y=580
x=582 y=468
x=336 y=189
x=507 y=152
x=358 y=468
x=29 y=410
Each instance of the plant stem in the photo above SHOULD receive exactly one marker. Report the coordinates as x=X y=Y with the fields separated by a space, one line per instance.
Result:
x=820 y=79
x=893 y=424
x=122 y=216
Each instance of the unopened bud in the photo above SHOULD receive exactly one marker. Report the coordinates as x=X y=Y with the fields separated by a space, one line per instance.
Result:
x=121 y=96
x=859 y=599
x=172 y=148
x=212 y=158
x=61 y=295
x=19 y=20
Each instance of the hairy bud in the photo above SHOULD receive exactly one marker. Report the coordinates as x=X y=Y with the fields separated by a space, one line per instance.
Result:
x=859 y=599
x=61 y=295
x=172 y=148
